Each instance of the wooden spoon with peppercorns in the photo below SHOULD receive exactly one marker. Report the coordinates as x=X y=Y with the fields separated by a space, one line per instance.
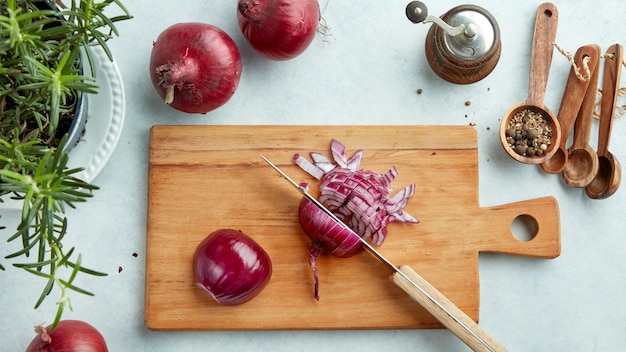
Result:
x=544 y=34
x=573 y=96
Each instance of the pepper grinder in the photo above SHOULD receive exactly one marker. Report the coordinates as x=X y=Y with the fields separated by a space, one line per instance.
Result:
x=463 y=46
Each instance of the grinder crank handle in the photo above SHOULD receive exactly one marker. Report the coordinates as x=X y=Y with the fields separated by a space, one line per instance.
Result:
x=417 y=12
x=464 y=327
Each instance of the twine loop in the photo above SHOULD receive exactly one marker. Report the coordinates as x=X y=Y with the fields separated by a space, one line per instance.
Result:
x=586 y=75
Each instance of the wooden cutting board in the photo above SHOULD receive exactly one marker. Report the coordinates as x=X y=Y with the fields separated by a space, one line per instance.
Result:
x=203 y=178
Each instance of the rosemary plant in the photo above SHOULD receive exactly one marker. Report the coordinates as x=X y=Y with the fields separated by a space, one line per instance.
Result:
x=43 y=46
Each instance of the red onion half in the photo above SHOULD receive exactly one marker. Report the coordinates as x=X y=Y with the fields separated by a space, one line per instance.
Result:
x=195 y=67
x=68 y=336
x=231 y=267
x=327 y=236
x=323 y=230
x=278 y=29
x=360 y=198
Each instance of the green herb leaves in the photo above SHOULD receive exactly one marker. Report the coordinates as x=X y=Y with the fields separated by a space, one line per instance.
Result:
x=46 y=188
x=43 y=55
x=45 y=66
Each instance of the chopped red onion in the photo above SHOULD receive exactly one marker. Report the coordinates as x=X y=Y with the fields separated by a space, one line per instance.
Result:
x=360 y=198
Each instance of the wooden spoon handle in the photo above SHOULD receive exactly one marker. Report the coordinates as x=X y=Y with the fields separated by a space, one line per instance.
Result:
x=452 y=317
x=546 y=22
x=574 y=93
x=610 y=86
x=582 y=127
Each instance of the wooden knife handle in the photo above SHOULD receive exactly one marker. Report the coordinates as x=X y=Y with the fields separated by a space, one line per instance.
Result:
x=464 y=327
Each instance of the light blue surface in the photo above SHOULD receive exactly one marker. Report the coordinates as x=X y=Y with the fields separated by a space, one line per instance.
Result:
x=367 y=73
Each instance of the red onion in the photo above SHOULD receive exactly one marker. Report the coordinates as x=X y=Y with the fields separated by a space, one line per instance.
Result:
x=279 y=29
x=360 y=198
x=195 y=67
x=231 y=267
x=68 y=336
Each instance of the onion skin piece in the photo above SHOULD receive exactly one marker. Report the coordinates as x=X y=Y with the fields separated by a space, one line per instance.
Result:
x=68 y=336
x=278 y=29
x=195 y=67
x=231 y=267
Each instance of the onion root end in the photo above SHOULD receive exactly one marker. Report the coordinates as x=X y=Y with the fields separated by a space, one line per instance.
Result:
x=169 y=94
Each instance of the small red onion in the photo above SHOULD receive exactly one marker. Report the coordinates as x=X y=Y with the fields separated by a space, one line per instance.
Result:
x=279 y=29
x=68 y=336
x=231 y=267
x=195 y=67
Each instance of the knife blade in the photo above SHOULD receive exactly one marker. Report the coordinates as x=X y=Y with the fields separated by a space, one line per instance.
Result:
x=418 y=288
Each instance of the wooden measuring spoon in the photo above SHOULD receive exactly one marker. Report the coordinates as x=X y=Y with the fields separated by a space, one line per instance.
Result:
x=582 y=162
x=609 y=175
x=546 y=22
x=573 y=96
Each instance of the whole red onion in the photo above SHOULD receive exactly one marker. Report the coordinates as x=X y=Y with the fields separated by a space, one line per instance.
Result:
x=68 y=336
x=279 y=29
x=231 y=267
x=195 y=67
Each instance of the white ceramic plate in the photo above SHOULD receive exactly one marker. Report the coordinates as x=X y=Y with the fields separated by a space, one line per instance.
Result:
x=105 y=119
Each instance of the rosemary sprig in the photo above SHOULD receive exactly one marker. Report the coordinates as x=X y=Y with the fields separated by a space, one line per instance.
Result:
x=46 y=189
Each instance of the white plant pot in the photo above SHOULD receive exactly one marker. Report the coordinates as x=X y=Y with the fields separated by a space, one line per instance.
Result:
x=95 y=136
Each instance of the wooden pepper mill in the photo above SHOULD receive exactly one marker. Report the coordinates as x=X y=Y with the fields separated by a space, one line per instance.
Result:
x=463 y=46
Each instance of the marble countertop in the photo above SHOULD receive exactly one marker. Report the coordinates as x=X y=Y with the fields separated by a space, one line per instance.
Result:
x=367 y=73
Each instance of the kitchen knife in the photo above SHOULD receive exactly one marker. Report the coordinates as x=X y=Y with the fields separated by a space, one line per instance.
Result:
x=420 y=290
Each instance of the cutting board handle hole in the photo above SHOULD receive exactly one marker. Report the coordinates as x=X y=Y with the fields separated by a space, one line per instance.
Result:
x=524 y=228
